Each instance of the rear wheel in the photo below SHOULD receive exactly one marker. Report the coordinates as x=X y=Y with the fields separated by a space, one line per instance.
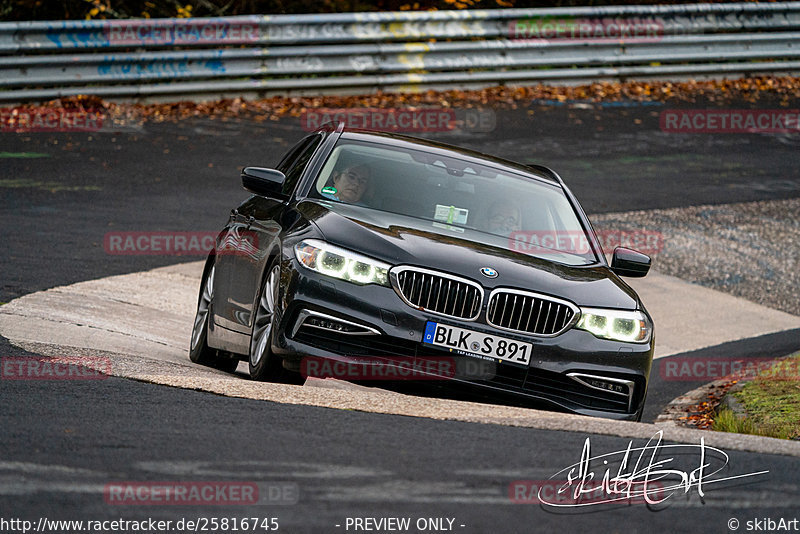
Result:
x=199 y=351
x=263 y=364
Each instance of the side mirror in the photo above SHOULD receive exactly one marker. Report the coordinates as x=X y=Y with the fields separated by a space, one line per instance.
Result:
x=627 y=262
x=264 y=182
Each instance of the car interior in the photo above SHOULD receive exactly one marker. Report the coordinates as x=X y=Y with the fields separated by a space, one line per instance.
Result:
x=451 y=192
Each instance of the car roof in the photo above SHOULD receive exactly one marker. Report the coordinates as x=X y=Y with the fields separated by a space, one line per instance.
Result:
x=405 y=141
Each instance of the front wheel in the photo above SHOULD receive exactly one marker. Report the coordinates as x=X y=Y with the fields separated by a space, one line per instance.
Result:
x=199 y=351
x=640 y=412
x=263 y=364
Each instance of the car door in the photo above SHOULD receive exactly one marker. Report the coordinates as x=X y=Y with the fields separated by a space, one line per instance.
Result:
x=251 y=235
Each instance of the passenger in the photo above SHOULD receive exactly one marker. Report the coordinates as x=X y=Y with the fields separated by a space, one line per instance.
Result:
x=504 y=218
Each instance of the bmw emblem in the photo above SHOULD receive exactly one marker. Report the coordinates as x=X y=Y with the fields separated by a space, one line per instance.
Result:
x=488 y=271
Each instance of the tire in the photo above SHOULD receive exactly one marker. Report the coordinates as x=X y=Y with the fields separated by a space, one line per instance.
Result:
x=263 y=364
x=199 y=351
x=640 y=412
x=226 y=364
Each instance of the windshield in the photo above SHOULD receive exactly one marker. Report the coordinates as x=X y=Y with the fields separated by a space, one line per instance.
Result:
x=454 y=195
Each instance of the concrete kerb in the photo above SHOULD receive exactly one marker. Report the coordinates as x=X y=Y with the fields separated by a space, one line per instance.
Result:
x=142 y=322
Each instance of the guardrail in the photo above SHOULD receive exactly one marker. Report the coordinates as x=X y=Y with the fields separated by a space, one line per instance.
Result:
x=407 y=51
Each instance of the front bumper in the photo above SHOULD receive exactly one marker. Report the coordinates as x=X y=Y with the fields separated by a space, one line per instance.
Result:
x=557 y=373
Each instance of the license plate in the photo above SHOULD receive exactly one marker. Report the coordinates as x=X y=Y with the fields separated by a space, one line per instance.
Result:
x=477 y=343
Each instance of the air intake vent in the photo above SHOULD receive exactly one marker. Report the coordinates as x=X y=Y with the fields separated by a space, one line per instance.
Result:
x=530 y=313
x=438 y=292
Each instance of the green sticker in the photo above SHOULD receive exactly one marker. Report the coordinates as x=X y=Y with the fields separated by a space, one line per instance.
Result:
x=451 y=214
x=329 y=190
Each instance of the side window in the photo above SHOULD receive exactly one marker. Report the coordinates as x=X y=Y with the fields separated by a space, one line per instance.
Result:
x=290 y=156
x=295 y=162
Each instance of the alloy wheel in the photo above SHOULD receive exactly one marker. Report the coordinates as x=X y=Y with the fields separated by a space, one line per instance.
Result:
x=262 y=329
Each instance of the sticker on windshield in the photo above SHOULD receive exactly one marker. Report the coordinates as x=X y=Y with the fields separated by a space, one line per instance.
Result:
x=330 y=190
x=448 y=227
x=451 y=214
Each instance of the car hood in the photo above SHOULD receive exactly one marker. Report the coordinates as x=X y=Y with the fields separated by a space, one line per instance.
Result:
x=398 y=239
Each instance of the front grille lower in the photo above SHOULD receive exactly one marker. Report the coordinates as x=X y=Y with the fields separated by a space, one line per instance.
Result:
x=437 y=292
x=357 y=345
x=531 y=313
x=550 y=385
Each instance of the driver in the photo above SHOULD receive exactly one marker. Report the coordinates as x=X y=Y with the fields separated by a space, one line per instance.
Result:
x=350 y=183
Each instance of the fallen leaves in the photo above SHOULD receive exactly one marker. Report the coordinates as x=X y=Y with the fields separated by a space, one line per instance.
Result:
x=702 y=415
x=783 y=91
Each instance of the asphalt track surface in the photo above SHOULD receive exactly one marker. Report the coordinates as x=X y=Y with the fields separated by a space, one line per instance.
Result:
x=62 y=442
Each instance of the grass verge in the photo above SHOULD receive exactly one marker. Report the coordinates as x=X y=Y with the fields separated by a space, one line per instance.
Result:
x=771 y=402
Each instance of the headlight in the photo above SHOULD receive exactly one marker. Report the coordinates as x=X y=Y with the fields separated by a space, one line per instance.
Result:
x=619 y=325
x=331 y=260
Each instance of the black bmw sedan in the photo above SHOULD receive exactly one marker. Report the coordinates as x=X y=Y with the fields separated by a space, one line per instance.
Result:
x=373 y=248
